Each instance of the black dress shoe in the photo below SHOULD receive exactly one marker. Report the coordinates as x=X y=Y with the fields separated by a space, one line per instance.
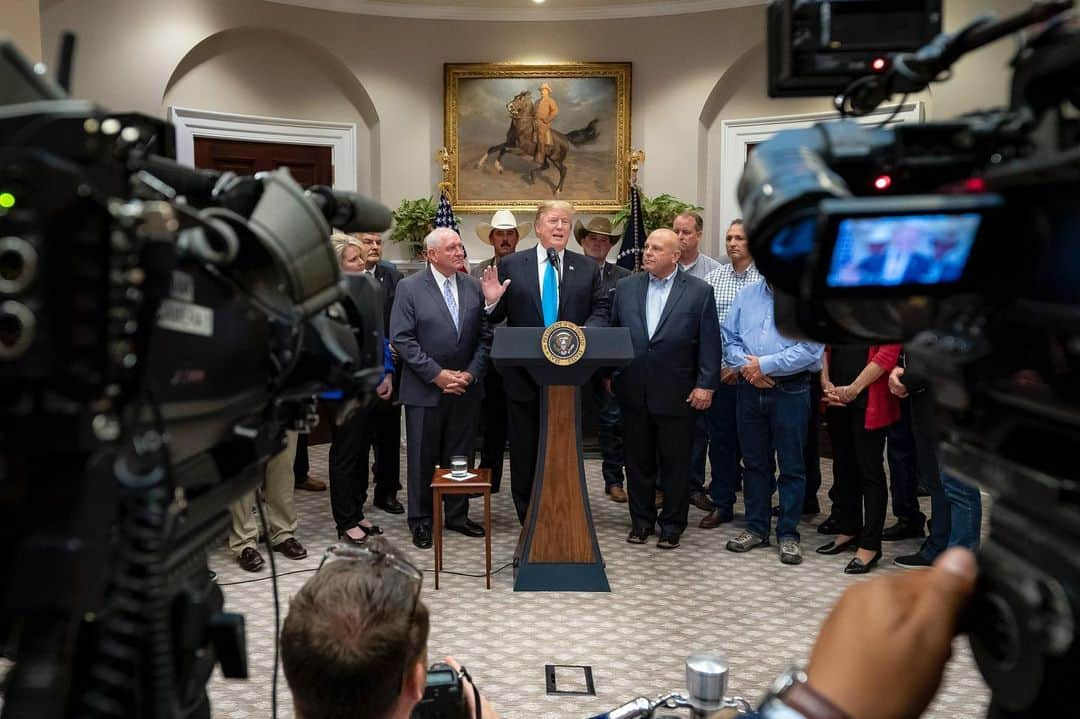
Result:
x=668 y=541
x=469 y=528
x=834 y=547
x=856 y=566
x=904 y=529
x=828 y=527
x=421 y=537
x=250 y=560
x=291 y=548
x=390 y=505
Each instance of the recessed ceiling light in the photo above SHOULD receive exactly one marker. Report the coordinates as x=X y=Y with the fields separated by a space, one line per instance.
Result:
x=539 y=2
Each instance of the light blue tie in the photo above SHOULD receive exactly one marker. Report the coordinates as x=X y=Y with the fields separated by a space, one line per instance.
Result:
x=451 y=304
x=551 y=296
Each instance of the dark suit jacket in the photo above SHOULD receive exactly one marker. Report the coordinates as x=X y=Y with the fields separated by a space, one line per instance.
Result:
x=388 y=276
x=610 y=274
x=423 y=333
x=582 y=300
x=917 y=267
x=684 y=352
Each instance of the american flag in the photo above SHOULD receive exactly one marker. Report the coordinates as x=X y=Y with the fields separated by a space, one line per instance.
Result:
x=633 y=239
x=444 y=215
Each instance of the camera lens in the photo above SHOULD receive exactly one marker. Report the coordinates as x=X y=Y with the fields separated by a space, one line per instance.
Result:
x=17 y=324
x=18 y=264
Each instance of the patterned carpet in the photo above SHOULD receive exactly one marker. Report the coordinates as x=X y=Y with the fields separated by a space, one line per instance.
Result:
x=663 y=606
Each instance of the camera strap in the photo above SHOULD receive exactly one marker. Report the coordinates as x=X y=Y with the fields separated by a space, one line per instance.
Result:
x=476 y=692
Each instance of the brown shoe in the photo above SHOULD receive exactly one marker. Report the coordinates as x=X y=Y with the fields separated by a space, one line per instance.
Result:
x=701 y=502
x=714 y=519
x=311 y=484
x=250 y=560
x=291 y=548
x=616 y=493
x=659 y=500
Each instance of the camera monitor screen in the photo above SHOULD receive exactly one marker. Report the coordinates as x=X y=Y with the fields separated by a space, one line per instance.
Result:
x=896 y=250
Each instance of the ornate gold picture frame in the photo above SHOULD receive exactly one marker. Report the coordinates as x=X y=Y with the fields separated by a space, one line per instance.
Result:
x=513 y=144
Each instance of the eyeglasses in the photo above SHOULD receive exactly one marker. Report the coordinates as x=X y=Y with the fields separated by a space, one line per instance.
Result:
x=377 y=557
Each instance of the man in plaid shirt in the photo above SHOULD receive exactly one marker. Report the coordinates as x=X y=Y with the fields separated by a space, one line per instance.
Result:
x=726 y=281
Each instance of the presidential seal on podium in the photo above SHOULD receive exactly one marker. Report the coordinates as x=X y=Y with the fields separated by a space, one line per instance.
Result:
x=563 y=343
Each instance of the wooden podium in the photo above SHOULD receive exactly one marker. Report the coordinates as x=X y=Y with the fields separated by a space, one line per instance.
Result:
x=557 y=549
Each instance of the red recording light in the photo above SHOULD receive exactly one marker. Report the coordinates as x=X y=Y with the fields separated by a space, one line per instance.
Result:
x=975 y=185
x=878 y=64
x=882 y=182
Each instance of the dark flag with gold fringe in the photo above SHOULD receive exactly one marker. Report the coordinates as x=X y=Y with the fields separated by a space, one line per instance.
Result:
x=633 y=238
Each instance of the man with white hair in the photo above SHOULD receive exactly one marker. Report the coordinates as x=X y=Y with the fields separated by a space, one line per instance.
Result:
x=440 y=330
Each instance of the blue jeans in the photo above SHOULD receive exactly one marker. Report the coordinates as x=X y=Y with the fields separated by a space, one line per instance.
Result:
x=723 y=426
x=774 y=420
x=965 y=512
x=702 y=440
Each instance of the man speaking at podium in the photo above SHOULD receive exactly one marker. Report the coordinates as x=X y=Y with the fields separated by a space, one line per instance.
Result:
x=536 y=288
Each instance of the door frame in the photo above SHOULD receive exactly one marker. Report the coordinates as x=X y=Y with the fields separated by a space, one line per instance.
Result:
x=736 y=135
x=340 y=136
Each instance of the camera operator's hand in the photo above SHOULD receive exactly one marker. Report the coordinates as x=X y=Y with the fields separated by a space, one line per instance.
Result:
x=486 y=710
x=896 y=629
x=895 y=385
x=386 y=388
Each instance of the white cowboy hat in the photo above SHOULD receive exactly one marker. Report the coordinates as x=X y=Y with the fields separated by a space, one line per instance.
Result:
x=502 y=220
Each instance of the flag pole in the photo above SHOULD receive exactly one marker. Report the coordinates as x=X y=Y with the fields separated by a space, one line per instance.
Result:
x=443 y=158
x=637 y=159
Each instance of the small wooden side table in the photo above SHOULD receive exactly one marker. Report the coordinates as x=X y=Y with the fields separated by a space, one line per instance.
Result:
x=441 y=484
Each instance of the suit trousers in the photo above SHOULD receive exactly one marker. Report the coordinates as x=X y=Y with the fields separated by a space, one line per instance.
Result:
x=349 y=468
x=658 y=445
x=858 y=475
x=278 y=502
x=386 y=440
x=524 y=426
x=433 y=436
x=493 y=414
x=301 y=466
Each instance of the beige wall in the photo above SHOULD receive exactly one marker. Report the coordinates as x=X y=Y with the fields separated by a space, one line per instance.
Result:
x=22 y=20
x=253 y=57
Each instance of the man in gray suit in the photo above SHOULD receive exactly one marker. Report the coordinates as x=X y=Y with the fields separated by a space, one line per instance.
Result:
x=440 y=330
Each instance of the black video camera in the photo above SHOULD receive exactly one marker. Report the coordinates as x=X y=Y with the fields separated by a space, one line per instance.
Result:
x=161 y=328
x=963 y=238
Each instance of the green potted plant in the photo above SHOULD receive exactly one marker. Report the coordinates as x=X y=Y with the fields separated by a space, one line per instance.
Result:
x=412 y=222
x=413 y=219
x=657 y=212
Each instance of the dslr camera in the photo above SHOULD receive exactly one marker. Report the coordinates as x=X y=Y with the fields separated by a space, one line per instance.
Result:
x=961 y=238
x=444 y=695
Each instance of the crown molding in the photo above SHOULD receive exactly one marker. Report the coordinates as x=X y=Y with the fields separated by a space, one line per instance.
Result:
x=429 y=11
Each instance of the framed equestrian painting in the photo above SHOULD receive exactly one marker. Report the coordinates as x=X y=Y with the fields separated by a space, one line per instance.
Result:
x=521 y=134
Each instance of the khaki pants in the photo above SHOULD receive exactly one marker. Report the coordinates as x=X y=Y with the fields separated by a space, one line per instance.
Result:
x=278 y=502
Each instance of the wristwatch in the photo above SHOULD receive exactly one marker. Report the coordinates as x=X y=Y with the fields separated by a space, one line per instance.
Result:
x=790 y=697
